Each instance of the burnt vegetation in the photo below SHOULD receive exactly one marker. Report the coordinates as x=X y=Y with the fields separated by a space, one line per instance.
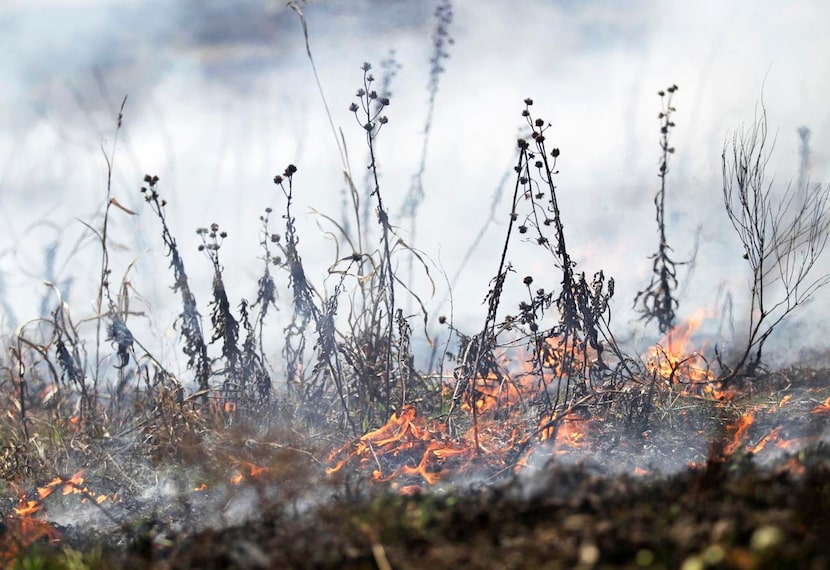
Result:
x=348 y=399
x=658 y=301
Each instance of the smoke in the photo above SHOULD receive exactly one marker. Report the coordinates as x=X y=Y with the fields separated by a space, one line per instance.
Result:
x=221 y=98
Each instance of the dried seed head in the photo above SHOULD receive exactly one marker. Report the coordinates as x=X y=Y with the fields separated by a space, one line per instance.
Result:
x=442 y=319
x=353 y=107
x=278 y=179
x=528 y=101
x=527 y=280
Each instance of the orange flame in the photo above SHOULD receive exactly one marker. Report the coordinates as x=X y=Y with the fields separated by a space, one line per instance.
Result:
x=771 y=436
x=675 y=357
x=822 y=409
x=405 y=447
x=740 y=428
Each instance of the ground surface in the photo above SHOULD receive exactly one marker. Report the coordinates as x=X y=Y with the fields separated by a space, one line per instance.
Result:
x=742 y=482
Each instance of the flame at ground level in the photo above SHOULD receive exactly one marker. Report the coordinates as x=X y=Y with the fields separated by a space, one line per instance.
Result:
x=23 y=525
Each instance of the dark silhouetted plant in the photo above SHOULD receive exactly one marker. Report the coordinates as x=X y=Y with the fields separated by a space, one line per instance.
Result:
x=658 y=300
x=566 y=355
x=783 y=237
x=189 y=321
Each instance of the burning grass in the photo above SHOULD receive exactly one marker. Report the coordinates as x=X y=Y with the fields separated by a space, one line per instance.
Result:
x=536 y=438
x=747 y=488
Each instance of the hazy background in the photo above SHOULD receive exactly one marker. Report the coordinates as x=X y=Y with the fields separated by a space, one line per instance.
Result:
x=222 y=98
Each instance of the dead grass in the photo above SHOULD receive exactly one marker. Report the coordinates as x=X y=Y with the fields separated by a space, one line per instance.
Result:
x=83 y=393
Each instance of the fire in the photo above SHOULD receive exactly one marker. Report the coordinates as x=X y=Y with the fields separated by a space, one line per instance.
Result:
x=406 y=447
x=771 y=436
x=22 y=531
x=23 y=525
x=569 y=431
x=562 y=358
x=492 y=392
x=822 y=409
x=675 y=358
x=412 y=452
x=739 y=428
x=247 y=471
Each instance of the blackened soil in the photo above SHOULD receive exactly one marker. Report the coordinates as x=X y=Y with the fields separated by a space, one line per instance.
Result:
x=729 y=514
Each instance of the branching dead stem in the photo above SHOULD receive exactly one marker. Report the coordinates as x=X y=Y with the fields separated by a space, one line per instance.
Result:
x=783 y=236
